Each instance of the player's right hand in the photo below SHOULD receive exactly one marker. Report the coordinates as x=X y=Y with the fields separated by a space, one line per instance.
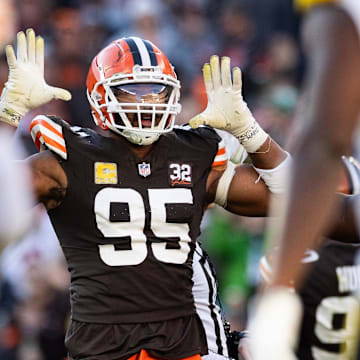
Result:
x=26 y=87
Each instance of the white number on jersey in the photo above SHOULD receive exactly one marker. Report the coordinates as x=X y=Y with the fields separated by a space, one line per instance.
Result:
x=134 y=228
x=346 y=336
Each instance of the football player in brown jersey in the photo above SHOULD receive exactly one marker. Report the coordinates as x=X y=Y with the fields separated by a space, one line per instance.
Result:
x=126 y=200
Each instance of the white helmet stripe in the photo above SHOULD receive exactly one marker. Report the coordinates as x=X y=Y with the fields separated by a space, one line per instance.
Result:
x=145 y=57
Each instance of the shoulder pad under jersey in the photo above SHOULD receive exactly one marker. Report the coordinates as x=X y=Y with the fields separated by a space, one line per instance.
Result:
x=47 y=133
x=203 y=130
x=236 y=152
x=221 y=156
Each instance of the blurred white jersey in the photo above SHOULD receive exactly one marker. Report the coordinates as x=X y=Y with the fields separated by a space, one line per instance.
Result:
x=39 y=250
x=205 y=295
x=15 y=189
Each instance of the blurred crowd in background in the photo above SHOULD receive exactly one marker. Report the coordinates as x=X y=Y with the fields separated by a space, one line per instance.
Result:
x=260 y=36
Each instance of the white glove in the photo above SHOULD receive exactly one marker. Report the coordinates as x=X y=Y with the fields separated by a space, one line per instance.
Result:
x=26 y=88
x=274 y=326
x=226 y=109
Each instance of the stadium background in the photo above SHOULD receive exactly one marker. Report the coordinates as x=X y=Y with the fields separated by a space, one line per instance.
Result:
x=260 y=36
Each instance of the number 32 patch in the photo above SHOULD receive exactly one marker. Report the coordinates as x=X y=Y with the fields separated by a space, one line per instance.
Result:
x=180 y=174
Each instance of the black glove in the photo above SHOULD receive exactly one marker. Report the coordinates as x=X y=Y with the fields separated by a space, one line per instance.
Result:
x=232 y=340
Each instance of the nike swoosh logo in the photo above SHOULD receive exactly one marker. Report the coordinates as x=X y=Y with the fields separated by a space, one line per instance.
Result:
x=310 y=256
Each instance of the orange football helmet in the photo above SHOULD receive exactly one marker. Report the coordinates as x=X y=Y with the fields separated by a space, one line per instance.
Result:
x=133 y=66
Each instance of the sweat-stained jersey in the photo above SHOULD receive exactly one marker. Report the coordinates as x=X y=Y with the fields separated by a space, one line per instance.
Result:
x=331 y=308
x=127 y=225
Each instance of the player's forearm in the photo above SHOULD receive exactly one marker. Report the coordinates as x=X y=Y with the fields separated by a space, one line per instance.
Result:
x=272 y=164
x=268 y=156
x=308 y=209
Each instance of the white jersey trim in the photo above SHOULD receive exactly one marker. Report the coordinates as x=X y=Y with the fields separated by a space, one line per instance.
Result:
x=205 y=293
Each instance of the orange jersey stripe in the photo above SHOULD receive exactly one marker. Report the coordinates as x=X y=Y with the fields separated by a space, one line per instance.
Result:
x=265 y=270
x=37 y=140
x=53 y=143
x=221 y=151
x=218 y=163
x=44 y=123
x=144 y=355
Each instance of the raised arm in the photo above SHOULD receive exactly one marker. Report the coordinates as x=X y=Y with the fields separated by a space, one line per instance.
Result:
x=244 y=190
x=27 y=89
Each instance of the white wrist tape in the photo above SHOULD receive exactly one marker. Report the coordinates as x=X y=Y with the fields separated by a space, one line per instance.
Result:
x=9 y=116
x=252 y=138
x=224 y=184
x=276 y=178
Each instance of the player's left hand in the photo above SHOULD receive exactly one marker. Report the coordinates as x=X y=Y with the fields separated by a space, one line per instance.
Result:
x=226 y=109
x=275 y=325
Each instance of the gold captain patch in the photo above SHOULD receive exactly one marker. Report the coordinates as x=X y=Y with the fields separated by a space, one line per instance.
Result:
x=304 y=5
x=105 y=173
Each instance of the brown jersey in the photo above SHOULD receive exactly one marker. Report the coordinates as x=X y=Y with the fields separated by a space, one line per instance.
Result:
x=127 y=225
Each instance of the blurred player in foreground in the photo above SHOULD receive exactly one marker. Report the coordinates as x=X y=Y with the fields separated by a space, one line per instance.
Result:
x=331 y=307
x=329 y=294
x=126 y=200
x=331 y=105
x=15 y=194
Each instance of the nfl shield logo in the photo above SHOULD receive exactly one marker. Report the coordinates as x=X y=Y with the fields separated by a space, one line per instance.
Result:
x=144 y=169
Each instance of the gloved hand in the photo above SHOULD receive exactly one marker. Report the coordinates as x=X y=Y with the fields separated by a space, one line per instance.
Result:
x=226 y=109
x=274 y=327
x=26 y=88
